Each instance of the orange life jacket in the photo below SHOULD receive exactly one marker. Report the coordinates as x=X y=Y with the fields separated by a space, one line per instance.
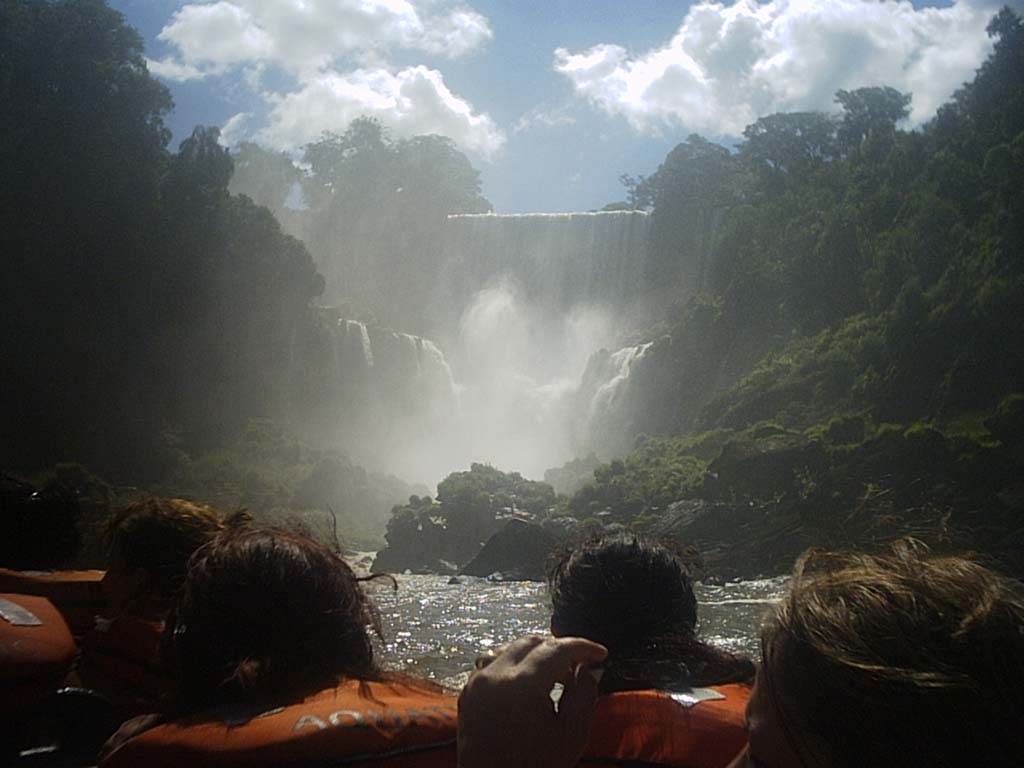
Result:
x=36 y=650
x=385 y=724
x=121 y=660
x=702 y=729
x=76 y=594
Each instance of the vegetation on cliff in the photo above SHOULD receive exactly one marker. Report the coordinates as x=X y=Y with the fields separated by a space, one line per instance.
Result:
x=859 y=296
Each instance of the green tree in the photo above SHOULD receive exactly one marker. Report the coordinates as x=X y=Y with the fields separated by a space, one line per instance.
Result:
x=82 y=152
x=142 y=303
x=870 y=114
x=783 y=150
x=377 y=208
x=238 y=289
x=691 y=191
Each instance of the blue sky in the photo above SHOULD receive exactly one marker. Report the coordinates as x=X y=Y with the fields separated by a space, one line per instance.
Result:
x=551 y=100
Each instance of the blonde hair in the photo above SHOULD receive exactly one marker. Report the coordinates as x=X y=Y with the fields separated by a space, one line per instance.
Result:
x=161 y=534
x=902 y=658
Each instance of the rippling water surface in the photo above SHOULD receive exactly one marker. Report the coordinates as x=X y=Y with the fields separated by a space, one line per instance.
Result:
x=435 y=629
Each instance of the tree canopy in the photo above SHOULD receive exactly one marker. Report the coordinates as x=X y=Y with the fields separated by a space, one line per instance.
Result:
x=143 y=304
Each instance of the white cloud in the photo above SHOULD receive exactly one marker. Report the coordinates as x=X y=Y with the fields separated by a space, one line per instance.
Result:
x=303 y=36
x=216 y=36
x=336 y=52
x=548 y=118
x=412 y=101
x=173 y=70
x=729 y=64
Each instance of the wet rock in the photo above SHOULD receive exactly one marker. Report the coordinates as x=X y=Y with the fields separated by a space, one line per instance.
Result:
x=415 y=544
x=518 y=552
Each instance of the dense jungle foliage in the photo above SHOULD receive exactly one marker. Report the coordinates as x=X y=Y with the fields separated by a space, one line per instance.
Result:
x=160 y=304
x=878 y=268
x=148 y=310
x=861 y=295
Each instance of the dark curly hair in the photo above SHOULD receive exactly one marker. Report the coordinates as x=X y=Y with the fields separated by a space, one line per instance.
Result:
x=636 y=598
x=267 y=613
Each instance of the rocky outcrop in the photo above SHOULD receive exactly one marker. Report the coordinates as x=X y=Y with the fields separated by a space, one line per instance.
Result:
x=518 y=552
x=769 y=497
x=769 y=464
x=416 y=543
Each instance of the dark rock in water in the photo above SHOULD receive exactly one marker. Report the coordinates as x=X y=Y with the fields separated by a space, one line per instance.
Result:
x=518 y=552
x=416 y=544
x=423 y=561
x=454 y=580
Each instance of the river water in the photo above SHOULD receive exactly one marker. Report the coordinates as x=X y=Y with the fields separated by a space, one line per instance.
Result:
x=435 y=629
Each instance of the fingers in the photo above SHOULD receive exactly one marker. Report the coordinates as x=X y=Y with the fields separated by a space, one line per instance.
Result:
x=518 y=650
x=510 y=697
x=552 y=657
x=580 y=695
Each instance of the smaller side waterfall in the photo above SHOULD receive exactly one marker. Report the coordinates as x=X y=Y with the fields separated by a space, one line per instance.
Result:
x=383 y=395
x=611 y=399
x=620 y=365
x=354 y=331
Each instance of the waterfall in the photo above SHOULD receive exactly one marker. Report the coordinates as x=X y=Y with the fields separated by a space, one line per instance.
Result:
x=559 y=259
x=364 y=337
x=612 y=397
x=610 y=393
x=513 y=369
x=389 y=394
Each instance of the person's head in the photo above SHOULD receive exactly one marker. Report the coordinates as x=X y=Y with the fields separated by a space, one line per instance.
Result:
x=266 y=613
x=149 y=544
x=636 y=598
x=901 y=659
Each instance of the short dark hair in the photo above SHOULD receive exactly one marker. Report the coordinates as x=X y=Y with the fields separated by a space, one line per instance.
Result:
x=267 y=613
x=635 y=596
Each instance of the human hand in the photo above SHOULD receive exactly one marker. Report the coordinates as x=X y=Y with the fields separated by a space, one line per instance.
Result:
x=507 y=717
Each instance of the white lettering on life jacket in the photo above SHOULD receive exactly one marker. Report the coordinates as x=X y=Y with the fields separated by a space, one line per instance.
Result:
x=309 y=720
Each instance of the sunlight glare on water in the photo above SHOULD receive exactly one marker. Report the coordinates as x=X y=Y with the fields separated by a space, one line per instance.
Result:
x=435 y=629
